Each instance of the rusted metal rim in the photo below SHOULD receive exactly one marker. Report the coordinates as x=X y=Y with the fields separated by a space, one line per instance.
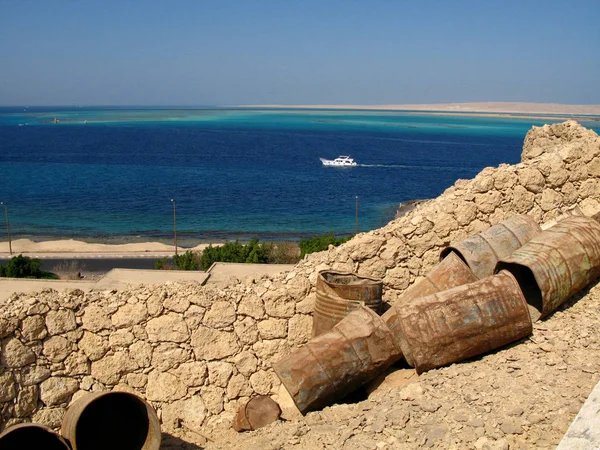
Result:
x=556 y=264
x=27 y=436
x=339 y=293
x=452 y=271
x=334 y=364
x=112 y=420
x=463 y=322
x=482 y=251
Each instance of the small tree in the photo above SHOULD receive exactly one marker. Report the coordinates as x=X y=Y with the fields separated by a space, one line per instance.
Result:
x=320 y=243
x=23 y=267
x=188 y=261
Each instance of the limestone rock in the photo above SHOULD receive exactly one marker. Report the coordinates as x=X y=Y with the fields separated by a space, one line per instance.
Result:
x=299 y=329
x=262 y=382
x=531 y=179
x=49 y=417
x=122 y=338
x=176 y=303
x=246 y=330
x=109 y=369
x=33 y=328
x=220 y=315
x=278 y=304
x=27 y=401
x=96 y=318
x=61 y=321
x=8 y=387
x=57 y=390
x=168 y=355
x=141 y=352
x=219 y=373
x=246 y=363
x=189 y=413
x=164 y=387
x=213 y=397
x=272 y=328
x=93 y=345
x=167 y=328
x=57 y=348
x=210 y=344
x=252 y=306
x=129 y=315
x=15 y=354
x=191 y=373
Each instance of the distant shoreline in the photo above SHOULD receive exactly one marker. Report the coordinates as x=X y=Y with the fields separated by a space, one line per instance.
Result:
x=492 y=109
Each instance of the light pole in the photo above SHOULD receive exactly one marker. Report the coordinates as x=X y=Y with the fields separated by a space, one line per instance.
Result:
x=174 y=224
x=357 y=214
x=7 y=226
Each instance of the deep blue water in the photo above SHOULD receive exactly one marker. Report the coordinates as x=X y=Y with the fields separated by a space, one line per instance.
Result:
x=233 y=173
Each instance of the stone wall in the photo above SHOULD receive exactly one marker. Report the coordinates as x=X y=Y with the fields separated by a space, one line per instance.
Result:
x=198 y=353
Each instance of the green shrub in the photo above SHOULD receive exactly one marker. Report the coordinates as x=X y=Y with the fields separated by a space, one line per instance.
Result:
x=24 y=267
x=253 y=252
x=188 y=261
x=320 y=243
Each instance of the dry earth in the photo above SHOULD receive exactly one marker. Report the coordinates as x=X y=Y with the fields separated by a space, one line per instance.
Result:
x=521 y=397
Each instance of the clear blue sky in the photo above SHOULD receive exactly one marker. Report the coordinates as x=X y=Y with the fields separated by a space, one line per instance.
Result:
x=227 y=52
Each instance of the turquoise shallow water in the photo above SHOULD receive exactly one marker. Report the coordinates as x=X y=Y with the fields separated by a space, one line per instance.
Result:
x=234 y=173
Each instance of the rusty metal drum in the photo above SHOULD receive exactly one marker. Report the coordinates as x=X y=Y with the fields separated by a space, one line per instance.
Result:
x=482 y=251
x=450 y=272
x=256 y=413
x=336 y=363
x=557 y=263
x=111 y=421
x=340 y=293
x=463 y=322
x=31 y=436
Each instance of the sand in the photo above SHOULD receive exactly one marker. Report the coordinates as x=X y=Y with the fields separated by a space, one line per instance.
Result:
x=483 y=108
x=71 y=246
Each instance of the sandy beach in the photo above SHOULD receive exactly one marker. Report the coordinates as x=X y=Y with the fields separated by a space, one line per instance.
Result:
x=474 y=108
x=73 y=247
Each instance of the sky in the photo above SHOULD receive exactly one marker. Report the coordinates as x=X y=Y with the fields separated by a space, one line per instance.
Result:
x=236 y=52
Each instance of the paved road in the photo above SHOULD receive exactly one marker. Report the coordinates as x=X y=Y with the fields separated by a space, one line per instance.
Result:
x=96 y=266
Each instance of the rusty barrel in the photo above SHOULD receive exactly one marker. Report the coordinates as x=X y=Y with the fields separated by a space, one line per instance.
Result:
x=334 y=364
x=482 y=251
x=557 y=263
x=111 y=421
x=450 y=272
x=256 y=413
x=463 y=322
x=26 y=436
x=339 y=293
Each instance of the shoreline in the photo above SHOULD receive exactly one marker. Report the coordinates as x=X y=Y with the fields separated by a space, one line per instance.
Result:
x=77 y=248
x=525 y=110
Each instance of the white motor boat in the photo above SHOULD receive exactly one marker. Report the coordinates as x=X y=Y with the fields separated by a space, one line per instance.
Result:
x=340 y=161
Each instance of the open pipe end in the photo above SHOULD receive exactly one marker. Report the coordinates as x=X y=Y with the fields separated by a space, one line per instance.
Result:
x=117 y=421
x=529 y=287
x=31 y=436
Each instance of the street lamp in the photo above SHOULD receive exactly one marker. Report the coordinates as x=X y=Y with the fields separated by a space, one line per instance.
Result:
x=357 y=214
x=174 y=224
x=7 y=226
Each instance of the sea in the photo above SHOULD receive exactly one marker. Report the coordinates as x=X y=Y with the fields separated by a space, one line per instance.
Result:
x=131 y=174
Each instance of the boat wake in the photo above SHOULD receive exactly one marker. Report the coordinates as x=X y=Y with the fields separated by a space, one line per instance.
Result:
x=418 y=167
